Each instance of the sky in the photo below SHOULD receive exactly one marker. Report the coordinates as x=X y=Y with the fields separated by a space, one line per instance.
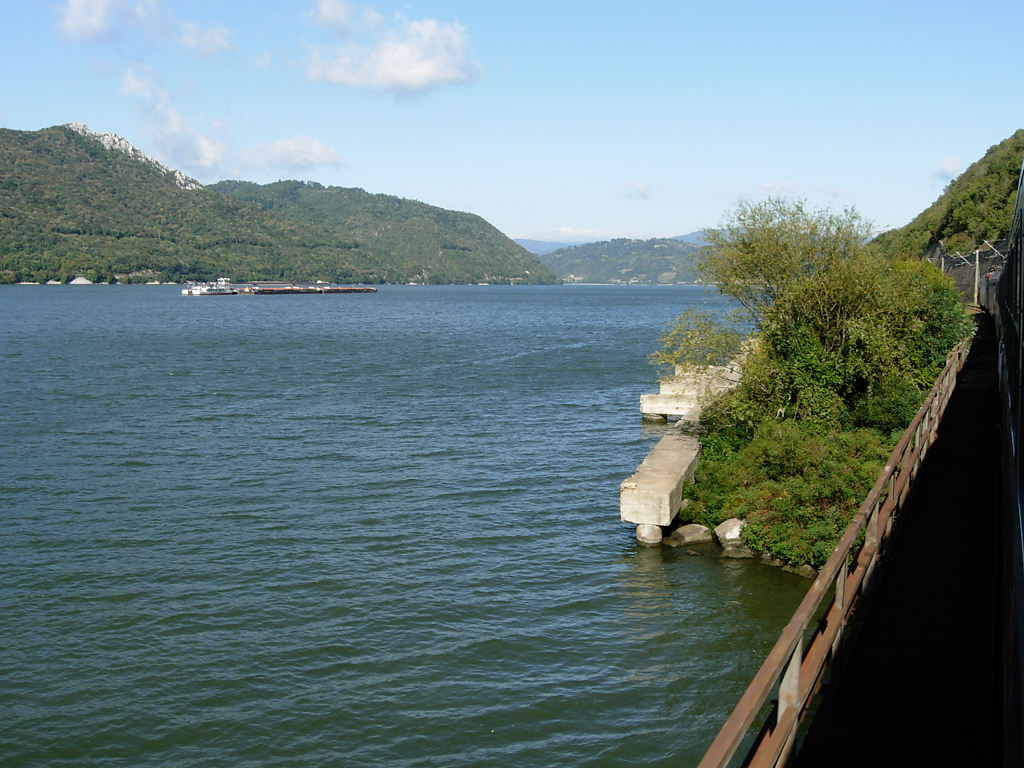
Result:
x=557 y=120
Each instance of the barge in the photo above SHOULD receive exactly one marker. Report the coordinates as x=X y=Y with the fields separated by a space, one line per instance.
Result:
x=286 y=290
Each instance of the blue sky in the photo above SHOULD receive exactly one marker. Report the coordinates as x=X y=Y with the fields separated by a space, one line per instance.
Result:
x=552 y=120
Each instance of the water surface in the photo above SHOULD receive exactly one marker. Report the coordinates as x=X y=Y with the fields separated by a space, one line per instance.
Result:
x=366 y=530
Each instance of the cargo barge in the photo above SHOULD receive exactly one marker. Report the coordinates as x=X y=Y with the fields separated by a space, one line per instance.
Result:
x=286 y=290
x=224 y=287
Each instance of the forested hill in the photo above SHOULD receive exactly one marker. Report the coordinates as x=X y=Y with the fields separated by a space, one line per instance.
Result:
x=627 y=261
x=976 y=206
x=424 y=243
x=77 y=203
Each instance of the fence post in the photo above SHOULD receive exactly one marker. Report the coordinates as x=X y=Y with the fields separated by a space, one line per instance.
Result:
x=789 y=696
x=840 y=603
x=977 y=273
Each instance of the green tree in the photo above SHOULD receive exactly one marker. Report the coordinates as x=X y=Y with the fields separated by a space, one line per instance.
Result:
x=696 y=340
x=835 y=321
x=763 y=248
x=847 y=343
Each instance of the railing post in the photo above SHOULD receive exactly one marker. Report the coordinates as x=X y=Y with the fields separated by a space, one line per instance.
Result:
x=789 y=698
x=977 y=273
x=871 y=542
x=893 y=502
x=919 y=449
x=840 y=603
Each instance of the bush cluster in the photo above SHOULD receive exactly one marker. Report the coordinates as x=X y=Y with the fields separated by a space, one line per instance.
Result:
x=847 y=344
x=796 y=488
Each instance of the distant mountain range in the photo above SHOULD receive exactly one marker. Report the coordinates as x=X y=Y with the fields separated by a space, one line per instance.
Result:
x=544 y=247
x=625 y=261
x=694 y=238
x=74 y=202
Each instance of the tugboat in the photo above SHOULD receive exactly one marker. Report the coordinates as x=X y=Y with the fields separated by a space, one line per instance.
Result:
x=220 y=288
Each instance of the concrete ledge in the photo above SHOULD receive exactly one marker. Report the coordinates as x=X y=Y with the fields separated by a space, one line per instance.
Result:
x=654 y=493
x=686 y=408
x=683 y=395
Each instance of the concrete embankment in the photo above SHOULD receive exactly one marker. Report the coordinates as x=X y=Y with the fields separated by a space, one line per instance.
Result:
x=651 y=497
x=681 y=396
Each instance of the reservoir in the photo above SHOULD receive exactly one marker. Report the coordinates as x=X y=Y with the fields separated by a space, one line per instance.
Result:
x=371 y=530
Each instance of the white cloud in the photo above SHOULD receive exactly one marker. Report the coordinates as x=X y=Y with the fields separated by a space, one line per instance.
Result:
x=138 y=82
x=565 y=234
x=179 y=141
x=84 y=19
x=371 y=19
x=778 y=188
x=336 y=15
x=208 y=42
x=411 y=57
x=345 y=18
x=99 y=20
x=635 y=191
x=297 y=153
x=948 y=169
x=94 y=19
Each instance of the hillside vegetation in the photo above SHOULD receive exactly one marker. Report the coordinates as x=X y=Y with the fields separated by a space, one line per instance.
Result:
x=847 y=343
x=627 y=261
x=849 y=337
x=70 y=206
x=976 y=206
x=422 y=242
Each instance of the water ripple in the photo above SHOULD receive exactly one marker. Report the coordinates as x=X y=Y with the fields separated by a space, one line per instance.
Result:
x=367 y=533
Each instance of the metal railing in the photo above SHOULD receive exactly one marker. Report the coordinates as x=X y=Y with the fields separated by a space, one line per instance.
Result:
x=791 y=672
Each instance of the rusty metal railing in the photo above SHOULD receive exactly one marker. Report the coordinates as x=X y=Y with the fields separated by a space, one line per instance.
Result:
x=794 y=672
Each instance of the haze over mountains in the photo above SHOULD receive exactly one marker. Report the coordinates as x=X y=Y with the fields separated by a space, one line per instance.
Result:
x=974 y=211
x=658 y=261
x=544 y=247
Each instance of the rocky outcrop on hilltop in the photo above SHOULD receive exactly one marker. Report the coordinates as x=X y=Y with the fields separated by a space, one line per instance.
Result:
x=121 y=144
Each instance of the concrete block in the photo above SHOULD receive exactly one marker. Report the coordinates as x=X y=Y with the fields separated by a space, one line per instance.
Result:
x=683 y=395
x=654 y=493
x=685 y=407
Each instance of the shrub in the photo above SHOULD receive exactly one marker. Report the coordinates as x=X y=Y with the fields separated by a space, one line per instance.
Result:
x=847 y=344
x=696 y=340
x=796 y=488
